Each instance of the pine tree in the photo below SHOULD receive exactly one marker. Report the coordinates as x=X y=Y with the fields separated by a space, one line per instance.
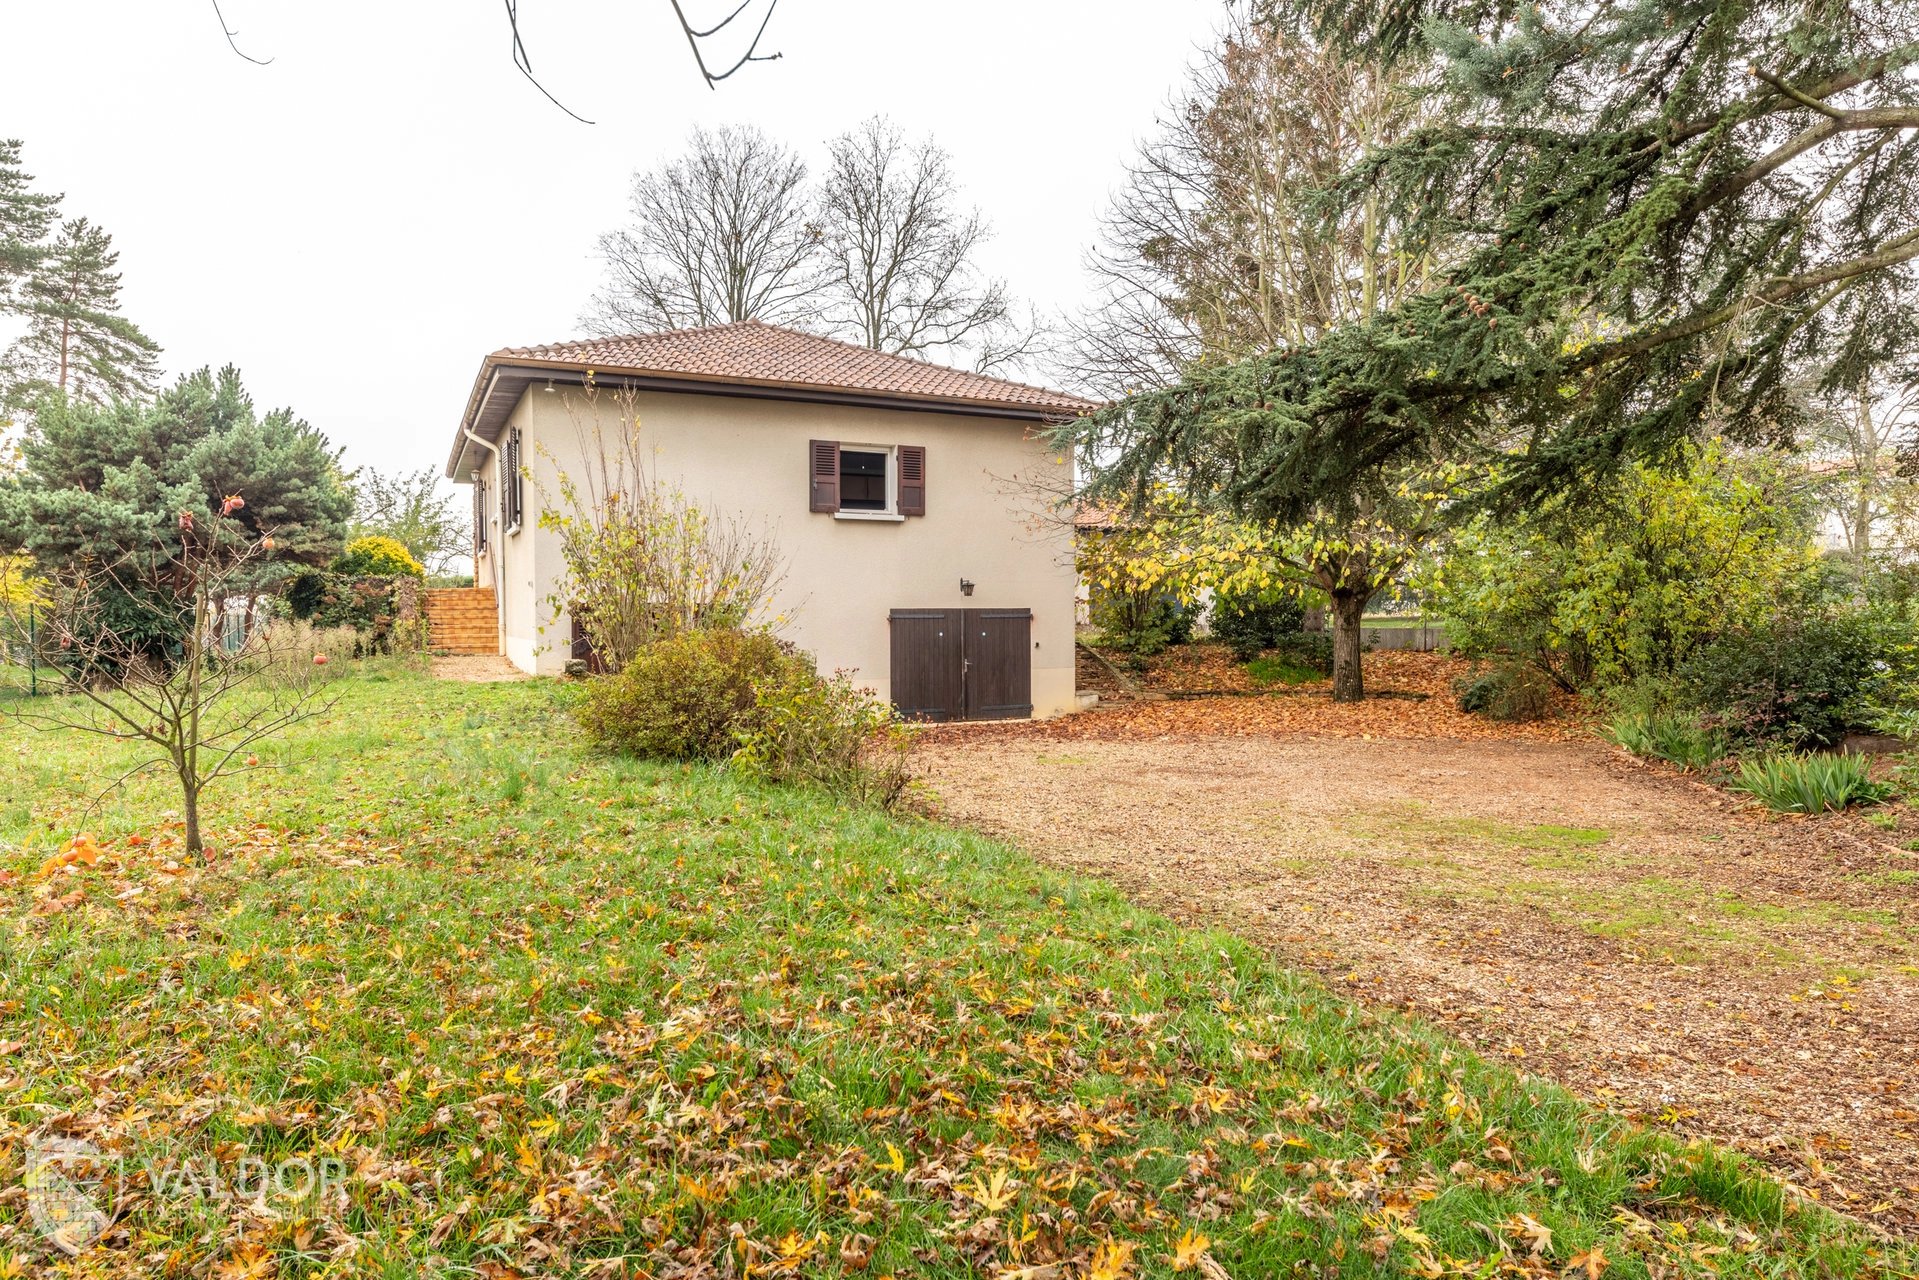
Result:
x=25 y=216
x=1650 y=218
x=102 y=481
x=77 y=343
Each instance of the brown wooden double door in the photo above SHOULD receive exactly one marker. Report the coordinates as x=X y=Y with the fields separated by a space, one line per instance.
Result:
x=963 y=664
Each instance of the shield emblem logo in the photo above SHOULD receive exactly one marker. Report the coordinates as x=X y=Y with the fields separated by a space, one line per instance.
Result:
x=72 y=1187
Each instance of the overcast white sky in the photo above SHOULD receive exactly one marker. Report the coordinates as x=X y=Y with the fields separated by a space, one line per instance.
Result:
x=358 y=222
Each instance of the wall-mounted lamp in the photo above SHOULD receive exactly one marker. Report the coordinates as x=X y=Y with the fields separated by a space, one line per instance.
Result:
x=549 y=386
x=966 y=587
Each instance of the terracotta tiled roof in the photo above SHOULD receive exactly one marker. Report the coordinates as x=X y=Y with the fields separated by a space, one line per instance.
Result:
x=751 y=352
x=1089 y=516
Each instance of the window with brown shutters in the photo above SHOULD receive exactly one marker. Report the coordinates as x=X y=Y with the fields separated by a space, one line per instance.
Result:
x=512 y=505
x=866 y=481
x=912 y=465
x=823 y=462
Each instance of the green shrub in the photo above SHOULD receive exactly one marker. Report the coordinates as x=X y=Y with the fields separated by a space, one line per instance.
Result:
x=377 y=556
x=1899 y=722
x=1312 y=650
x=1251 y=624
x=1141 y=623
x=383 y=611
x=826 y=732
x=1788 y=783
x=687 y=697
x=1626 y=583
x=1801 y=677
x=1677 y=739
x=1514 y=691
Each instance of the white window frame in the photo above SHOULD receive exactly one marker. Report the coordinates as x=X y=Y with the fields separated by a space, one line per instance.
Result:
x=891 y=515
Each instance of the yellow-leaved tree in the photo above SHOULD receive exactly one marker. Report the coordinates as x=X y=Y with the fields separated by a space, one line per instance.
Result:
x=1169 y=544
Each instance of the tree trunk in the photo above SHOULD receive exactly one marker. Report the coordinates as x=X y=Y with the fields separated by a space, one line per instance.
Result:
x=191 y=812
x=1348 y=608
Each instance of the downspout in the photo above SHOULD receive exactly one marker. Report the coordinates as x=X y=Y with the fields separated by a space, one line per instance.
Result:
x=495 y=546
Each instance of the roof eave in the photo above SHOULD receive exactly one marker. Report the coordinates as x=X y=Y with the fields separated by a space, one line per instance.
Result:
x=500 y=363
x=1069 y=408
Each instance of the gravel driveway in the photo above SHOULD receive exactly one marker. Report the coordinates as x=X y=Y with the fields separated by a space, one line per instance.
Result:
x=1630 y=933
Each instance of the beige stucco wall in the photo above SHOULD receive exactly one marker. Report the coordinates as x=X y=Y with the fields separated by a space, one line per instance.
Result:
x=510 y=562
x=988 y=486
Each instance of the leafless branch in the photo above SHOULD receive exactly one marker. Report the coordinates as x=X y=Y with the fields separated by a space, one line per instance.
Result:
x=901 y=253
x=521 y=60
x=752 y=53
x=725 y=232
x=229 y=32
x=525 y=64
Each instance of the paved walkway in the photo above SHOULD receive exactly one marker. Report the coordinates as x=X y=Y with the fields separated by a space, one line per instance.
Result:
x=475 y=668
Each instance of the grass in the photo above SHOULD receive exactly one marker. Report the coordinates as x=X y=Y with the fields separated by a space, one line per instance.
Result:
x=1270 y=669
x=1604 y=883
x=560 y=1015
x=1412 y=821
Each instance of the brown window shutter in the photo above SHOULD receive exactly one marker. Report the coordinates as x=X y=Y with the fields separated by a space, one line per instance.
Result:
x=912 y=480
x=824 y=465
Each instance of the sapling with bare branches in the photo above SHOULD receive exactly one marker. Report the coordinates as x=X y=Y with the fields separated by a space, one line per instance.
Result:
x=143 y=644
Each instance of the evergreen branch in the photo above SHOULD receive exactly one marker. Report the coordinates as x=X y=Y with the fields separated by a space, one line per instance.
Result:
x=1803 y=99
x=1902 y=249
x=1836 y=123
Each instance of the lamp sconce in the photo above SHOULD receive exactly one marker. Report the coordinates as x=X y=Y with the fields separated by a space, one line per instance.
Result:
x=966 y=586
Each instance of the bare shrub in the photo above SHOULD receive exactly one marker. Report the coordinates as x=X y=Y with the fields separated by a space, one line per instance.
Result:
x=644 y=561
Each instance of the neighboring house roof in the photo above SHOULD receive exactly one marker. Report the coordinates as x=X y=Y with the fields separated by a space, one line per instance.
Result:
x=754 y=359
x=1100 y=517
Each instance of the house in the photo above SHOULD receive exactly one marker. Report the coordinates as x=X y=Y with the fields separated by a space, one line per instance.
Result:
x=914 y=505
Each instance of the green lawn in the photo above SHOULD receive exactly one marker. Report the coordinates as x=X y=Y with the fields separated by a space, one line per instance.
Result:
x=559 y=1015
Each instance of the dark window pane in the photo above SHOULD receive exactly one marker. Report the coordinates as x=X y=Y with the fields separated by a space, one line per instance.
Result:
x=862 y=481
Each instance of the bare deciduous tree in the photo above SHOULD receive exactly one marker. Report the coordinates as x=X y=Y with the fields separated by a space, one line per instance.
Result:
x=901 y=273
x=723 y=233
x=1216 y=247
x=199 y=703
x=1856 y=444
